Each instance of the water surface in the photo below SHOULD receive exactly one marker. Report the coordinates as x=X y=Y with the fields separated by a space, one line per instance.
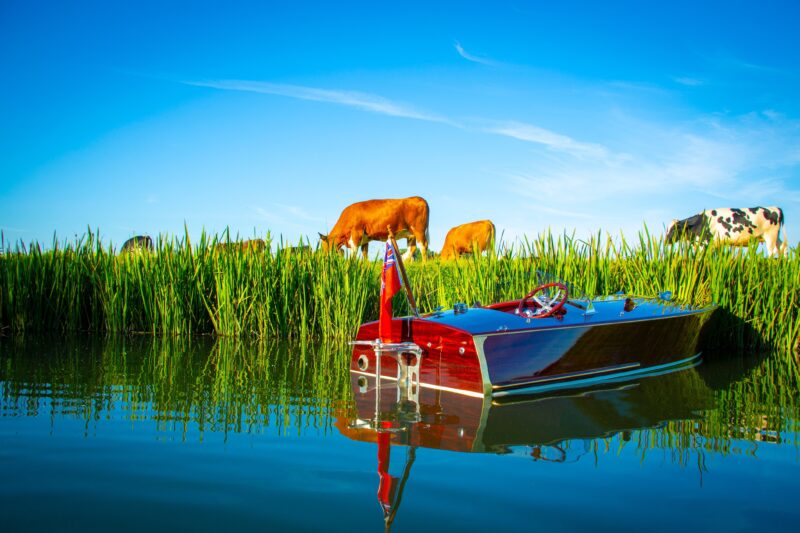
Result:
x=132 y=434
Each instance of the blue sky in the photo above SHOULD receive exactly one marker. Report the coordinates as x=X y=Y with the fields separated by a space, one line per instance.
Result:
x=138 y=117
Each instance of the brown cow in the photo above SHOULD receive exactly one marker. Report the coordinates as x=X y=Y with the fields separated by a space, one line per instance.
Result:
x=303 y=249
x=252 y=245
x=468 y=237
x=367 y=221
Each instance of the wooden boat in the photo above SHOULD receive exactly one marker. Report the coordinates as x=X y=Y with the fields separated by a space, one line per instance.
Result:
x=549 y=339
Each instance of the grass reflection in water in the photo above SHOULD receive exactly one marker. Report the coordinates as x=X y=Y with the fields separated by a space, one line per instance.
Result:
x=200 y=385
x=221 y=386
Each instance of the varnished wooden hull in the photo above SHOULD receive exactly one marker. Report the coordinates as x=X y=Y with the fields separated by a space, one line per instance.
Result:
x=487 y=352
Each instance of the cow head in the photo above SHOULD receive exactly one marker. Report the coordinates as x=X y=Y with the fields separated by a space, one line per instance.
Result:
x=672 y=234
x=329 y=244
x=447 y=254
x=694 y=228
x=324 y=242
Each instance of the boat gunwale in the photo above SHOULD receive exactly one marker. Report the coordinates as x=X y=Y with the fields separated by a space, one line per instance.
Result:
x=541 y=325
x=551 y=327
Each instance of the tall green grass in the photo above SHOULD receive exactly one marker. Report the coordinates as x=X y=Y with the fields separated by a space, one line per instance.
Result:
x=759 y=297
x=185 y=288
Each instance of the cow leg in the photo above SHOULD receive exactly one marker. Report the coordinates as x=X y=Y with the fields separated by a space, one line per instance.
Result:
x=365 y=249
x=411 y=243
x=785 y=244
x=772 y=241
x=781 y=247
x=423 y=242
x=423 y=248
x=352 y=244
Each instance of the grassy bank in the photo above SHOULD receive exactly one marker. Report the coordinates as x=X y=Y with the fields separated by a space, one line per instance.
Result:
x=185 y=288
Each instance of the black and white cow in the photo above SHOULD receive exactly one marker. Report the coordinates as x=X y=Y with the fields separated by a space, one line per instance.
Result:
x=732 y=226
x=139 y=242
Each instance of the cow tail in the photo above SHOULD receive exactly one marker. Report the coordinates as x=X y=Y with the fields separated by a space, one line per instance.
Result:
x=427 y=224
x=783 y=229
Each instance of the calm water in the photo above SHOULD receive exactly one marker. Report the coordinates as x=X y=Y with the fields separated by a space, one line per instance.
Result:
x=162 y=434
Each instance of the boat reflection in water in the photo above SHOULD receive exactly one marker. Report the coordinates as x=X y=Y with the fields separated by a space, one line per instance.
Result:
x=537 y=426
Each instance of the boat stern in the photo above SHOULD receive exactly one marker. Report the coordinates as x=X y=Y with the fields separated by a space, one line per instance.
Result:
x=435 y=356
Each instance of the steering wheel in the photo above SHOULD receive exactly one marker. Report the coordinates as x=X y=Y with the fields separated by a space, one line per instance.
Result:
x=545 y=306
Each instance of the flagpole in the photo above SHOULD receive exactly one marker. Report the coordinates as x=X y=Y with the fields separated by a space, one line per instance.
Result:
x=411 y=302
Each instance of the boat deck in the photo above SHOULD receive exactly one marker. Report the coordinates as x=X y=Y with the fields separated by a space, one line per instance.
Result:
x=501 y=317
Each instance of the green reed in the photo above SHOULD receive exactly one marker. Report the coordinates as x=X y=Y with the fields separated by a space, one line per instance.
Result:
x=759 y=297
x=283 y=291
x=183 y=288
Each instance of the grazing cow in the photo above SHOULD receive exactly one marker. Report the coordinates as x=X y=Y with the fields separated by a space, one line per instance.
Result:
x=733 y=226
x=367 y=221
x=304 y=249
x=140 y=242
x=253 y=245
x=468 y=237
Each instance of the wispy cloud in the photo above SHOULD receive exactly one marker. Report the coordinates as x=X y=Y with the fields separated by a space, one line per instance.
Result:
x=739 y=161
x=746 y=65
x=682 y=163
x=269 y=216
x=284 y=216
x=365 y=101
x=470 y=57
x=552 y=140
x=772 y=114
x=689 y=82
x=298 y=212
x=3 y=229
x=635 y=86
x=727 y=61
x=378 y=104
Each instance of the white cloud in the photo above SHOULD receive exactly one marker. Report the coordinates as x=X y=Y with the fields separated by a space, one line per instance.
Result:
x=735 y=160
x=365 y=101
x=550 y=139
x=298 y=212
x=286 y=219
x=470 y=57
x=381 y=105
x=702 y=162
x=270 y=216
x=689 y=82
x=673 y=170
x=582 y=186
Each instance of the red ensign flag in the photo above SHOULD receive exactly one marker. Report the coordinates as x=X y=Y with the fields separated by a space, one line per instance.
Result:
x=390 y=284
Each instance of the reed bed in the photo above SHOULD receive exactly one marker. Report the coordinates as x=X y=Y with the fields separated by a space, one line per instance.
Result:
x=291 y=292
